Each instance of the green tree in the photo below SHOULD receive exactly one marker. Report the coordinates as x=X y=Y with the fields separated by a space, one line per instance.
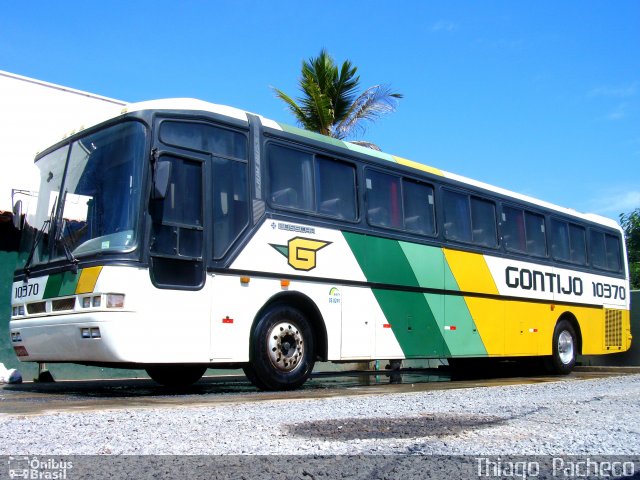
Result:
x=330 y=103
x=631 y=224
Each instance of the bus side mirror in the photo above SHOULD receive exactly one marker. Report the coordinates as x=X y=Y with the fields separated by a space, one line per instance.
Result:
x=17 y=215
x=161 y=176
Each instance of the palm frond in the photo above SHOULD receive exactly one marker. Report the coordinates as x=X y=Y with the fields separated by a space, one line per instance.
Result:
x=369 y=106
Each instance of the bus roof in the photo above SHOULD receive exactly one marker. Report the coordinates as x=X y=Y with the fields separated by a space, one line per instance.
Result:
x=193 y=104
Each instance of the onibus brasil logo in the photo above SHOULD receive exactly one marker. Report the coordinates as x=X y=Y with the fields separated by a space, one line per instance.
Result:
x=301 y=252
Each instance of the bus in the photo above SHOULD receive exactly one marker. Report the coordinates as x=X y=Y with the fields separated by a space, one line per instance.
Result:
x=183 y=235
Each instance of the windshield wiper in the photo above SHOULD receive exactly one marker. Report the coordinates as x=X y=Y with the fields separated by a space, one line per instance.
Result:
x=46 y=225
x=67 y=250
x=46 y=228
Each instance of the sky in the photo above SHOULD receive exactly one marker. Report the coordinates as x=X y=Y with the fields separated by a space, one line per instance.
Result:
x=539 y=97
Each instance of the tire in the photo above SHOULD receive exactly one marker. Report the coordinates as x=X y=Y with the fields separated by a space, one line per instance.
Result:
x=176 y=375
x=564 y=346
x=282 y=350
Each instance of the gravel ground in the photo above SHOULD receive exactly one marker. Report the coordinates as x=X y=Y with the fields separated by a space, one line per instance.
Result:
x=584 y=417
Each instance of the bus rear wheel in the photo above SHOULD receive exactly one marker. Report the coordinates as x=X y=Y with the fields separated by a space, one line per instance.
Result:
x=176 y=375
x=282 y=351
x=563 y=357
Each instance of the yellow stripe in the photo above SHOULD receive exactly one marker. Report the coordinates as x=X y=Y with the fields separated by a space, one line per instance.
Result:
x=419 y=166
x=472 y=274
x=88 y=279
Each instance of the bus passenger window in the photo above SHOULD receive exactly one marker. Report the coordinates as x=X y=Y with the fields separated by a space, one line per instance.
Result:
x=419 y=216
x=483 y=219
x=559 y=240
x=536 y=234
x=335 y=188
x=383 y=200
x=578 y=247
x=612 y=245
x=230 y=203
x=290 y=178
x=457 y=218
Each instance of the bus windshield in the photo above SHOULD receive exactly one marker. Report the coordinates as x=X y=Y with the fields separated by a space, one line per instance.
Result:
x=89 y=197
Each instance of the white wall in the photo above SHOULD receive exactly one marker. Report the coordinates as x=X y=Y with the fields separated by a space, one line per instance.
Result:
x=35 y=115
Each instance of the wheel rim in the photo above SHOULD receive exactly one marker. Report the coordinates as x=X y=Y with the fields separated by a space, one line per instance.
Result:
x=565 y=347
x=286 y=346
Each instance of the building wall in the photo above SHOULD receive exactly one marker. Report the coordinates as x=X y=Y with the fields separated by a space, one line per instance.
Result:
x=35 y=115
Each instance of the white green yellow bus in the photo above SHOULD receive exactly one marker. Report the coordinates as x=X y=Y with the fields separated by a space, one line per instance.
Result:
x=183 y=235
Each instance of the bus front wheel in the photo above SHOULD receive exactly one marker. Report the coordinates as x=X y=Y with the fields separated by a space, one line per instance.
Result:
x=563 y=358
x=282 y=351
x=176 y=375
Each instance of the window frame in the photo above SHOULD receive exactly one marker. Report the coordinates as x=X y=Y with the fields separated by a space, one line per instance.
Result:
x=324 y=156
x=595 y=230
x=401 y=181
x=470 y=195
x=524 y=211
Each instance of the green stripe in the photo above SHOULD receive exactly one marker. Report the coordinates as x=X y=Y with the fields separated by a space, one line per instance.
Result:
x=61 y=284
x=409 y=313
x=418 y=320
x=312 y=135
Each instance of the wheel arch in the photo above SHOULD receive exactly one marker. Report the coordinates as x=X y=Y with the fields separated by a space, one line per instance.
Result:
x=311 y=312
x=573 y=321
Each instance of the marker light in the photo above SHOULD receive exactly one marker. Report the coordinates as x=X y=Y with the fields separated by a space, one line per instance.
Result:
x=86 y=302
x=85 y=333
x=244 y=280
x=96 y=301
x=115 y=300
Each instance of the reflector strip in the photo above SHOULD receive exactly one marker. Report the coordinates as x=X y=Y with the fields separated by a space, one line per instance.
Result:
x=386 y=325
x=533 y=330
x=88 y=280
x=227 y=320
x=450 y=327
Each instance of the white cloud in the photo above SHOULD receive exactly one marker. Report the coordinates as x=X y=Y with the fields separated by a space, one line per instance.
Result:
x=618 y=113
x=444 y=26
x=614 y=203
x=619 y=91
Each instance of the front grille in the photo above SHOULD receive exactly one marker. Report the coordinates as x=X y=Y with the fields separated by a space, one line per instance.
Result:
x=63 y=304
x=38 y=307
x=613 y=328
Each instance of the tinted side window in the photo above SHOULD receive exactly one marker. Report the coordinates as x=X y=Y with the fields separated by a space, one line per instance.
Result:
x=419 y=216
x=383 y=200
x=290 y=178
x=335 y=188
x=230 y=203
x=605 y=251
x=205 y=138
x=612 y=245
x=457 y=217
x=513 y=229
x=536 y=237
x=578 y=247
x=560 y=240
x=483 y=221
x=523 y=231
x=568 y=242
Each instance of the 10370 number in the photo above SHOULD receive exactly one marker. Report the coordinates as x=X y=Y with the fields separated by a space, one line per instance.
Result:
x=604 y=290
x=27 y=290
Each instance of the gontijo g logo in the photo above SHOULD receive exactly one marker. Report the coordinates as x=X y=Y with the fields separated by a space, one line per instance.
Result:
x=301 y=252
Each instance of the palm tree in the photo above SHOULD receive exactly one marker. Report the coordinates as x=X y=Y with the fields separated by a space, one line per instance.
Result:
x=330 y=103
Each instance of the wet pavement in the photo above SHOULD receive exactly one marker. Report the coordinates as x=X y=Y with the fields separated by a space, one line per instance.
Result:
x=88 y=395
